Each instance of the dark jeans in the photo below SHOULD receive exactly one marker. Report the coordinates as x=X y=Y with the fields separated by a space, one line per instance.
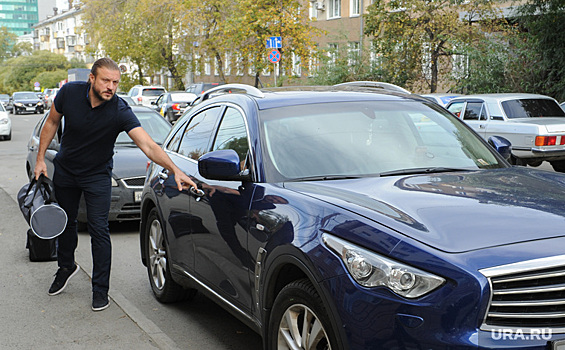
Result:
x=97 y=191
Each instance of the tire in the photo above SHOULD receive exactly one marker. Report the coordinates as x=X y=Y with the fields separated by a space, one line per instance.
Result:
x=295 y=301
x=8 y=137
x=517 y=161
x=165 y=289
x=558 y=165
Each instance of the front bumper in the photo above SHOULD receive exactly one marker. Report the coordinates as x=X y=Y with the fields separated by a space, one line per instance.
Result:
x=125 y=205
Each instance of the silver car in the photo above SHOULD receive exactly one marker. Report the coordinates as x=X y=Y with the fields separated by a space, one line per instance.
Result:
x=534 y=124
x=130 y=165
x=5 y=124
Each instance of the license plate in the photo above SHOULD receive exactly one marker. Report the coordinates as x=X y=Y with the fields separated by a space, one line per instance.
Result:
x=137 y=198
x=558 y=345
x=30 y=108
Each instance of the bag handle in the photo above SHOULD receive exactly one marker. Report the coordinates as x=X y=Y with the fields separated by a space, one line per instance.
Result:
x=46 y=185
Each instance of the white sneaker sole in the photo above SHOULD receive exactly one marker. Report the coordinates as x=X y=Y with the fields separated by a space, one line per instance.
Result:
x=102 y=307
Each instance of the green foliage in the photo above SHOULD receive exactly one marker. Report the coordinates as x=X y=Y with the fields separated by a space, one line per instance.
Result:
x=7 y=40
x=20 y=73
x=339 y=66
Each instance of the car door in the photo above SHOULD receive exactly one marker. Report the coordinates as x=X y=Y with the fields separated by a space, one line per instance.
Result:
x=221 y=252
x=475 y=115
x=188 y=144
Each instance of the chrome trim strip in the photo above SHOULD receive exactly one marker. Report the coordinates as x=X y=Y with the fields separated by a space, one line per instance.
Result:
x=524 y=266
x=554 y=288
x=528 y=303
x=529 y=315
x=532 y=277
x=224 y=300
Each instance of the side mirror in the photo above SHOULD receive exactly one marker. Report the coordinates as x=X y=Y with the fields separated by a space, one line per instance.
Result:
x=220 y=165
x=501 y=145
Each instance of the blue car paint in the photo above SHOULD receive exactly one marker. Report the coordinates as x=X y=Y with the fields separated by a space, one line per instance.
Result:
x=412 y=219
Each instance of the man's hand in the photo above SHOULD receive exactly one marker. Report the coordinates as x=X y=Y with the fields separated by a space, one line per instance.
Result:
x=183 y=181
x=40 y=168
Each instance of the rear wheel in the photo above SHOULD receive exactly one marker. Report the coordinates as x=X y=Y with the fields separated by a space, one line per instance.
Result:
x=299 y=320
x=558 y=165
x=164 y=288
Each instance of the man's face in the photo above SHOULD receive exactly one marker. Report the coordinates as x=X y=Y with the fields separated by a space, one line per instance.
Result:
x=105 y=83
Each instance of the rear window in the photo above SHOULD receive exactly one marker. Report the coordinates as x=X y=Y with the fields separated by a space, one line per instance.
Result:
x=152 y=92
x=532 y=108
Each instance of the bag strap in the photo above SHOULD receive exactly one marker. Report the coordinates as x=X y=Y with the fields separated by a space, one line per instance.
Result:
x=45 y=185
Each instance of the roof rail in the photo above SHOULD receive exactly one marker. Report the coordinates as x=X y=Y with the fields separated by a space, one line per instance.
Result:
x=229 y=88
x=375 y=85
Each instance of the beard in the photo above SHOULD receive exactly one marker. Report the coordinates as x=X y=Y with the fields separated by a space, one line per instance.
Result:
x=99 y=96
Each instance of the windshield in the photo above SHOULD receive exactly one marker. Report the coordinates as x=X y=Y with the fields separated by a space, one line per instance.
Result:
x=25 y=96
x=152 y=92
x=532 y=108
x=153 y=123
x=352 y=139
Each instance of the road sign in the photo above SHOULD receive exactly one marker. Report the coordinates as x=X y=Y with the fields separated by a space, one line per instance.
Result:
x=274 y=42
x=274 y=56
x=36 y=84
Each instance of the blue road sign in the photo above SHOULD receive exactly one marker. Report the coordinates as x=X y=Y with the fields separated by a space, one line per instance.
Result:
x=274 y=42
x=274 y=56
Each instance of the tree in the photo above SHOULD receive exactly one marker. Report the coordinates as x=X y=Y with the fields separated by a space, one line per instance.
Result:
x=7 y=40
x=416 y=38
x=544 y=24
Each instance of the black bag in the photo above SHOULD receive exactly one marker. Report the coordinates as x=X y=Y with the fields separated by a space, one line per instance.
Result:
x=40 y=209
x=41 y=249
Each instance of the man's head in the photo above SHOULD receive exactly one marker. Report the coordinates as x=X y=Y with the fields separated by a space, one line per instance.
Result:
x=104 y=79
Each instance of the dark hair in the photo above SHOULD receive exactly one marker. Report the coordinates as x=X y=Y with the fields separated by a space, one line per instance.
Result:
x=104 y=62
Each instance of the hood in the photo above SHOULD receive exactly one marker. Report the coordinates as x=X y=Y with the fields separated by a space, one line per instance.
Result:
x=455 y=212
x=129 y=161
x=552 y=124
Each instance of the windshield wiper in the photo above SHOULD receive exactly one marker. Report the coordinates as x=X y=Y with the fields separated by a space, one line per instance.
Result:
x=422 y=171
x=326 y=177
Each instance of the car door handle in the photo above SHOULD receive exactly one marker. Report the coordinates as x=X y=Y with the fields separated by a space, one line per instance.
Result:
x=197 y=192
x=163 y=175
x=482 y=126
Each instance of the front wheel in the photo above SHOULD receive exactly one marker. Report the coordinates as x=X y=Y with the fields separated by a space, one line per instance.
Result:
x=164 y=288
x=558 y=165
x=299 y=320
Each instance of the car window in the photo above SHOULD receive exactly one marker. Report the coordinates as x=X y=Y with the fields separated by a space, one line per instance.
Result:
x=25 y=95
x=532 y=108
x=196 y=137
x=232 y=134
x=473 y=111
x=152 y=92
x=2 y=108
x=456 y=108
x=378 y=137
x=152 y=123
x=182 y=97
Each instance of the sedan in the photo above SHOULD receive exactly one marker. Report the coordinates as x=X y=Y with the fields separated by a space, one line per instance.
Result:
x=328 y=218
x=26 y=101
x=130 y=164
x=5 y=124
x=534 y=124
x=172 y=105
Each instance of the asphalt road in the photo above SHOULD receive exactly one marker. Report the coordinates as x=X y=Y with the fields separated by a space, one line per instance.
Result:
x=31 y=319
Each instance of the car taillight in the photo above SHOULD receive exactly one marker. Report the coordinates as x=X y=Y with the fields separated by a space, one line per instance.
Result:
x=546 y=140
x=176 y=106
x=140 y=99
x=562 y=140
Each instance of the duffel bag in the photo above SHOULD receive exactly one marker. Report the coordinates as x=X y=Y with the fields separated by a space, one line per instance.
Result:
x=40 y=209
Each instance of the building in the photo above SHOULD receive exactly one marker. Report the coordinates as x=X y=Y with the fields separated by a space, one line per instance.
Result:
x=60 y=34
x=19 y=16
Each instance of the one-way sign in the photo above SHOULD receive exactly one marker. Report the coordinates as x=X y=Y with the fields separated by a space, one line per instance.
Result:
x=274 y=42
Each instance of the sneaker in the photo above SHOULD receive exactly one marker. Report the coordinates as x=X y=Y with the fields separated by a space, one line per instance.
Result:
x=62 y=277
x=99 y=301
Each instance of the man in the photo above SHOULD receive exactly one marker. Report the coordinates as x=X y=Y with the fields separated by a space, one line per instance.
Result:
x=94 y=116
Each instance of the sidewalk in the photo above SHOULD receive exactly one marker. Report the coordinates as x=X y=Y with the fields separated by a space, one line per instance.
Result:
x=31 y=319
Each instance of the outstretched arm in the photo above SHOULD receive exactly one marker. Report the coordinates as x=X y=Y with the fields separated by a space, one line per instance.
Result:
x=154 y=152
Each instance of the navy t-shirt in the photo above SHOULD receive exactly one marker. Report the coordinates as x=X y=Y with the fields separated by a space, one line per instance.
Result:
x=89 y=134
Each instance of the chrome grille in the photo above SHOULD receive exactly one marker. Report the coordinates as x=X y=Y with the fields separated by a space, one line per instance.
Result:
x=527 y=295
x=134 y=181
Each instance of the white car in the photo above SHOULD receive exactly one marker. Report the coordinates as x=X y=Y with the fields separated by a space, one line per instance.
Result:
x=5 y=124
x=534 y=124
x=146 y=95
x=441 y=99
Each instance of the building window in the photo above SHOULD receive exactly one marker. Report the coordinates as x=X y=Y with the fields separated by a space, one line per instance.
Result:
x=335 y=8
x=313 y=11
x=355 y=8
x=353 y=53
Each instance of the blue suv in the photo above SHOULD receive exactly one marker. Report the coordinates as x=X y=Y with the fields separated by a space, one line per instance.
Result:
x=352 y=217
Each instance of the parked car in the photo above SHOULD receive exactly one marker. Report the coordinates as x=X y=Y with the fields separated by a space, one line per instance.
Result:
x=339 y=219
x=130 y=164
x=562 y=104
x=5 y=124
x=171 y=105
x=146 y=95
x=199 y=88
x=534 y=124
x=49 y=96
x=26 y=101
x=128 y=100
x=441 y=99
x=5 y=99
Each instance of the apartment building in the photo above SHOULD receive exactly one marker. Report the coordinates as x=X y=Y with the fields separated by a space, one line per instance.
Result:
x=19 y=16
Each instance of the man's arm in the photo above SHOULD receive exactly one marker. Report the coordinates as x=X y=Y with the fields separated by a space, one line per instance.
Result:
x=154 y=152
x=47 y=133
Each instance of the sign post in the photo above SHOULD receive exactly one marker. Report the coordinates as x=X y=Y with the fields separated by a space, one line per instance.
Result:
x=274 y=43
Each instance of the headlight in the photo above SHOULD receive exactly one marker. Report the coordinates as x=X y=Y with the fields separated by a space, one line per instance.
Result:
x=114 y=183
x=4 y=121
x=19 y=104
x=372 y=270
